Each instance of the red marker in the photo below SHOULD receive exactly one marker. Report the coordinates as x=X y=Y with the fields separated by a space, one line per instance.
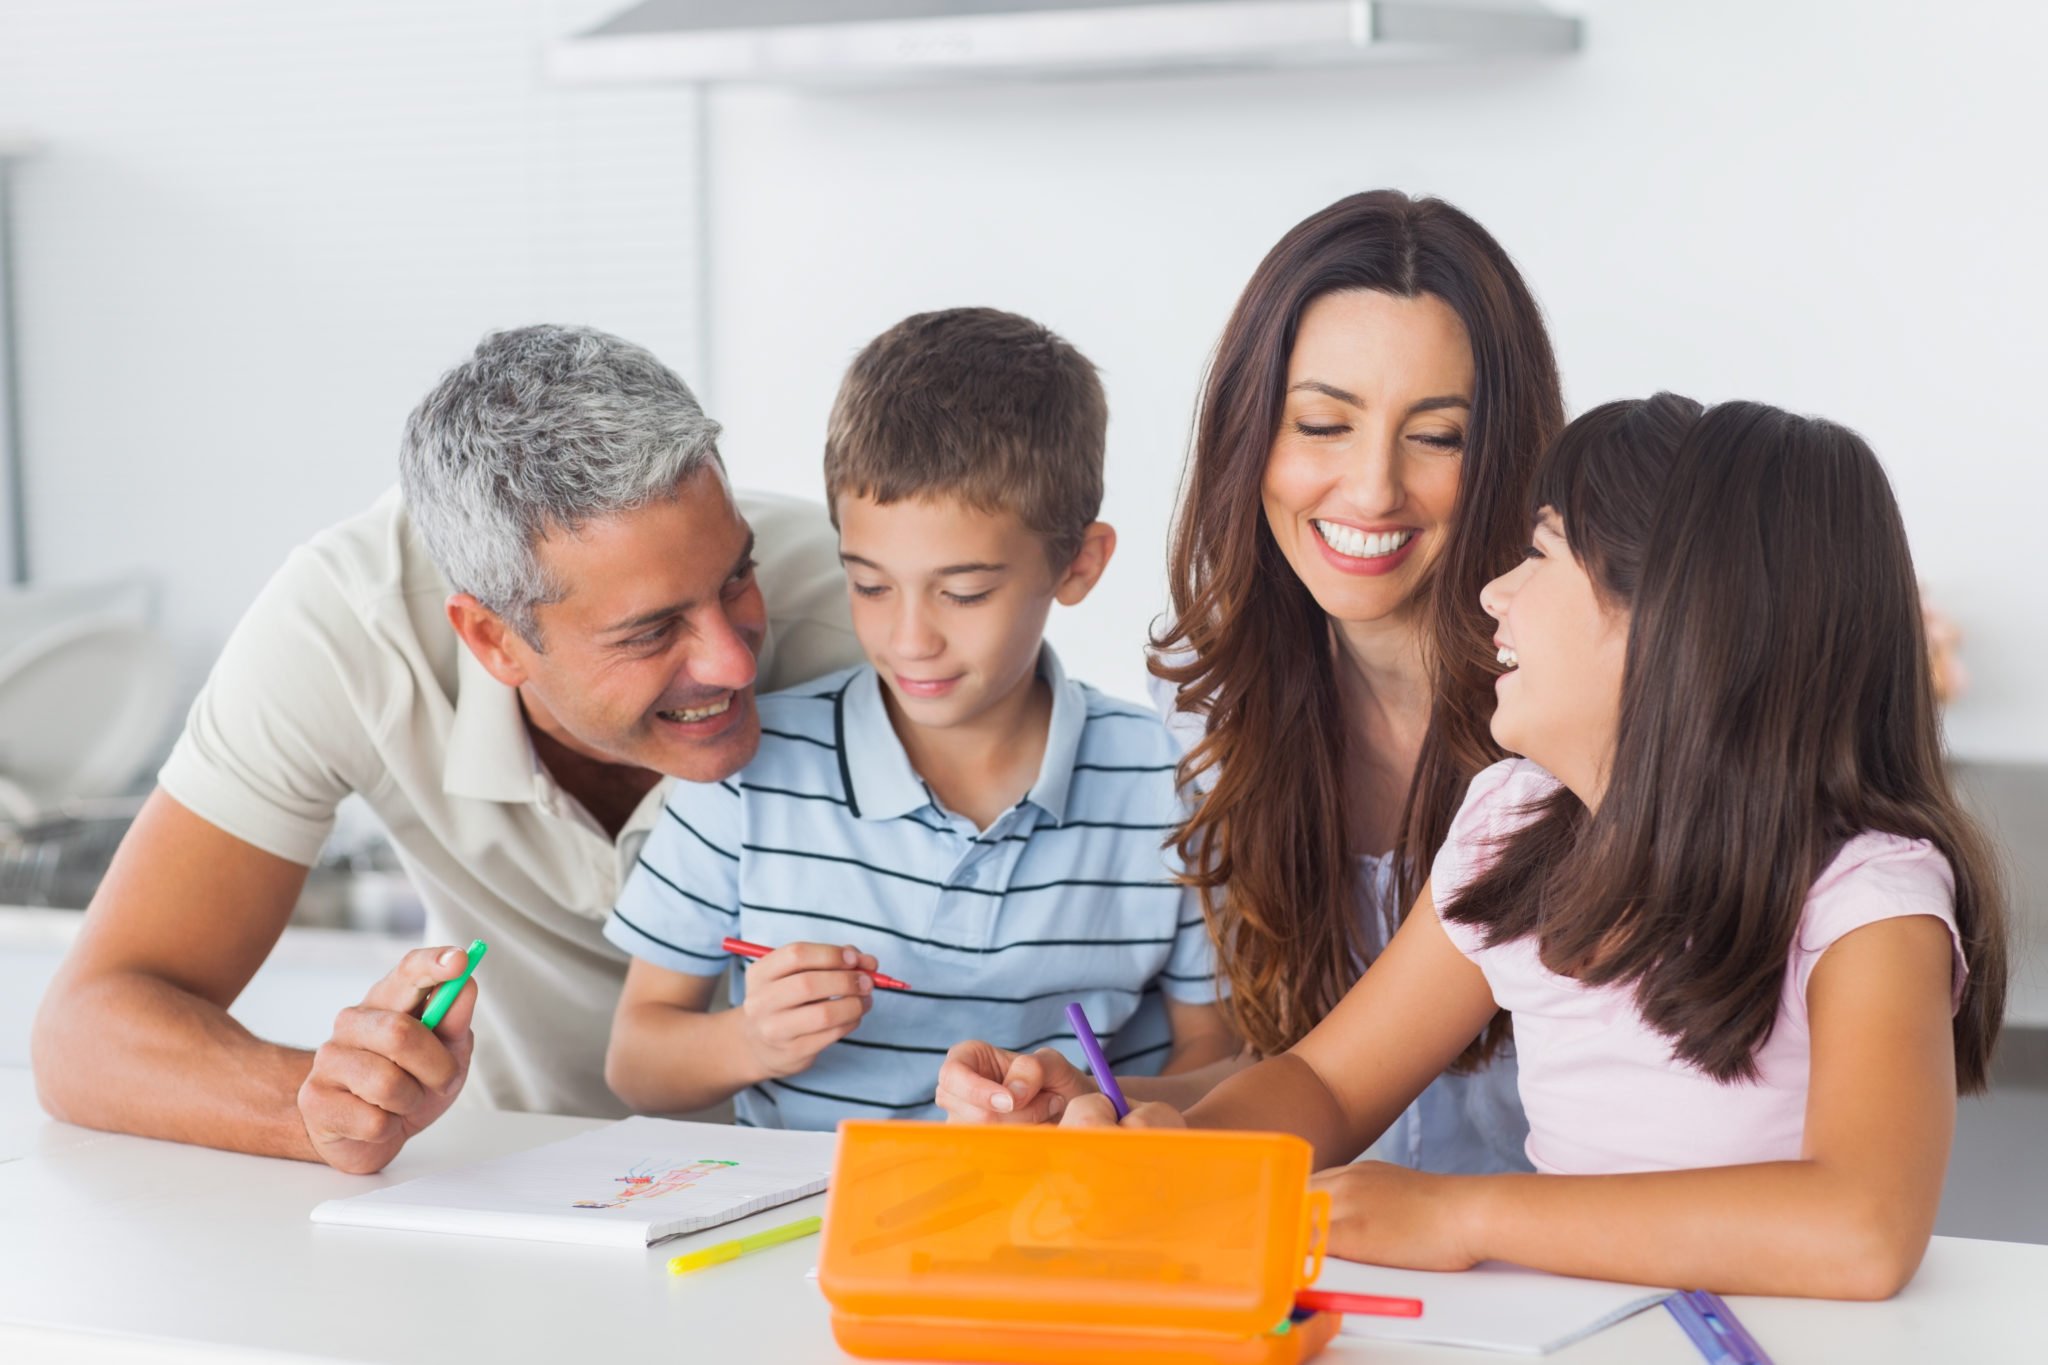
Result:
x=740 y=947
x=1372 y=1305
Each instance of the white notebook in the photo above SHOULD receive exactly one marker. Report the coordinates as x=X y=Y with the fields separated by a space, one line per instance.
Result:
x=629 y=1184
x=1492 y=1307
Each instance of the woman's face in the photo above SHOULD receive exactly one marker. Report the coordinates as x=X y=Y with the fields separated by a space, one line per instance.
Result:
x=1363 y=475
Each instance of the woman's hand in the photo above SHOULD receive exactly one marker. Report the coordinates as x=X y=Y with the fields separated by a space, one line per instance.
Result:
x=1095 y=1111
x=1390 y=1215
x=982 y=1083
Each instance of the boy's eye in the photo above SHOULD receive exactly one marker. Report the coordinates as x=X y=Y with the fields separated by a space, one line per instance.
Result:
x=968 y=599
x=869 y=589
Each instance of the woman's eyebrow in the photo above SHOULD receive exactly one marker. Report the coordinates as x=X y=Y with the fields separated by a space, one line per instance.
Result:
x=1328 y=390
x=1439 y=403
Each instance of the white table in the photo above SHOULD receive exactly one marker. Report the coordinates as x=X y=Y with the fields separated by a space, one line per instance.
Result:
x=117 y=1248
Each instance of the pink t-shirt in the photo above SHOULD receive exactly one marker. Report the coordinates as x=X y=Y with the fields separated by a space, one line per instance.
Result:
x=1603 y=1092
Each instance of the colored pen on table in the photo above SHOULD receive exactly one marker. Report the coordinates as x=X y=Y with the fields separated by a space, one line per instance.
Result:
x=1370 y=1305
x=740 y=1246
x=444 y=994
x=1097 y=1063
x=1713 y=1327
x=739 y=947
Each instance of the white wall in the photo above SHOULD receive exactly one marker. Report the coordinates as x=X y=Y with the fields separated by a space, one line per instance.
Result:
x=1832 y=206
x=261 y=230
x=258 y=232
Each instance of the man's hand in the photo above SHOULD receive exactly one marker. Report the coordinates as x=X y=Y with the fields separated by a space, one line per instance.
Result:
x=801 y=999
x=384 y=1076
x=982 y=1083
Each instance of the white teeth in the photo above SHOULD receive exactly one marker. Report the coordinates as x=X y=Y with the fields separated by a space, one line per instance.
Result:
x=717 y=708
x=1349 y=540
x=1508 y=657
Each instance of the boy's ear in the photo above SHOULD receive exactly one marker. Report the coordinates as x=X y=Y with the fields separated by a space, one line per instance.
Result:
x=1098 y=544
x=488 y=637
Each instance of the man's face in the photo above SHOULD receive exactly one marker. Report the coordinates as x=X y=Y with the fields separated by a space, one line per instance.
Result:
x=648 y=658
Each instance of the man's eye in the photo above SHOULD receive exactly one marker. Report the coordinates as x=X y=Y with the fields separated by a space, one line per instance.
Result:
x=649 y=638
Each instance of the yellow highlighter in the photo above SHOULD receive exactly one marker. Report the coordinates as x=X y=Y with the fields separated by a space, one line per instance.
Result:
x=740 y=1246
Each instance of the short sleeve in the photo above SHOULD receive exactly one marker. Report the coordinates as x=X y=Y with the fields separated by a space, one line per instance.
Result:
x=1499 y=801
x=276 y=738
x=1877 y=877
x=1190 y=973
x=683 y=897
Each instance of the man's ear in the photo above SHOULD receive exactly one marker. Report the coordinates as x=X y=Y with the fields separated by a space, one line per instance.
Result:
x=1098 y=543
x=488 y=637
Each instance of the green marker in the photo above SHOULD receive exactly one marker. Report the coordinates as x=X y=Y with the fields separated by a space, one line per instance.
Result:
x=444 y=994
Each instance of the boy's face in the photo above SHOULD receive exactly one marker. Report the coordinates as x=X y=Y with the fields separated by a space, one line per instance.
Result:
x=950 y=601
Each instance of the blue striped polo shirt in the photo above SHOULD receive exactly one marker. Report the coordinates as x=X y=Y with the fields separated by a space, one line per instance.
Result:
x=830 y=836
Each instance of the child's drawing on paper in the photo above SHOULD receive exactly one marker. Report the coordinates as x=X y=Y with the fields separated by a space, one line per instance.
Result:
x=652 y=1179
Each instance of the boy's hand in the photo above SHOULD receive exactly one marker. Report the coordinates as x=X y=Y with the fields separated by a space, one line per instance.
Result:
x=801 y=999
x=383 y=1076
x=1095 y=1111
x=982 y=1083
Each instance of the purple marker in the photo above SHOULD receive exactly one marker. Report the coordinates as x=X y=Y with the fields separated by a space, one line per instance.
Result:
x=1097 y=1063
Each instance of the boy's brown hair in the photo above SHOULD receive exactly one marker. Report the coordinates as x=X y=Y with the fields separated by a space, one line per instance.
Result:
x=977 y=404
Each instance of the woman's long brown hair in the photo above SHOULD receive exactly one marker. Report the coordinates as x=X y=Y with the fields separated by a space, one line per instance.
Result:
x=1776 y=702
x=1267 y=845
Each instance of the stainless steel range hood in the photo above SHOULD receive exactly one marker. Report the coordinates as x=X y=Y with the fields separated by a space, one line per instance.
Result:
x=888 y=41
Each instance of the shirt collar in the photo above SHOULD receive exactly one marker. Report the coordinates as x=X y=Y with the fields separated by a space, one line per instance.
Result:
x=490 y=754
x=880 y=783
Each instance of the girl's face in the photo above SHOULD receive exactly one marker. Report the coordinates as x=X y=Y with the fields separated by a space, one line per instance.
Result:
x=1563 y=646
x=1362 y=479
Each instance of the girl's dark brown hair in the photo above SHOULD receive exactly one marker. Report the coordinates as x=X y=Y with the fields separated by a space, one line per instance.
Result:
x=1267 y=846
x=1776 y=702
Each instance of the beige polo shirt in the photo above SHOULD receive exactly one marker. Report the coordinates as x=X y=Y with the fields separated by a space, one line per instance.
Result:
x=345 y=677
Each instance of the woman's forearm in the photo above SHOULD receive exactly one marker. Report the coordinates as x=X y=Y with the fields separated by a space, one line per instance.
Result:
x=1797 y=1228
x=1187 y=1078
x=1281 y=1094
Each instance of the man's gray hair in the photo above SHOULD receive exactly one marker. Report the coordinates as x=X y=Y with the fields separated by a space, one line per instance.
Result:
x=543 y=429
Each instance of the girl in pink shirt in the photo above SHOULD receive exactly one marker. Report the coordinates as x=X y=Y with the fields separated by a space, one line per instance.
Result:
x=1751 y=945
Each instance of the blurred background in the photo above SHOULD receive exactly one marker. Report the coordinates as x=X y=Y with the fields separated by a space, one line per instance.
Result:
x=241 y=239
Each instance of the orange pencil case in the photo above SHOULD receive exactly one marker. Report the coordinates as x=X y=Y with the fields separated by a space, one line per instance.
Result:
x=1049 y=1244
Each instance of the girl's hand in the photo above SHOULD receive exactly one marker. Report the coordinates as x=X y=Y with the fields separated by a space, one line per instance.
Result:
x=1390 y=1215
x=982 y=1083
x=1095 y=1111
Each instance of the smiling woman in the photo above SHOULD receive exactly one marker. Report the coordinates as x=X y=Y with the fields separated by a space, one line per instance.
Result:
x=1360 y=469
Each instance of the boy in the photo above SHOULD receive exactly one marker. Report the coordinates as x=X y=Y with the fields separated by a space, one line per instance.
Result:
x=957 y=813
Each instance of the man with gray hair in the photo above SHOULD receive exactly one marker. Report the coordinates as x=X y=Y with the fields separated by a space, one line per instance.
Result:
x=560 y=606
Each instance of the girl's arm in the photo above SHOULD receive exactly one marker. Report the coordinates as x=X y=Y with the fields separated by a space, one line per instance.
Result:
x=1850 y=1219
x=1342 y=1086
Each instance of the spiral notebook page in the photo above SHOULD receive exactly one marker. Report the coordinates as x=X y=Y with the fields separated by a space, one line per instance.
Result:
x=630 y=1184
x=1492 y=1307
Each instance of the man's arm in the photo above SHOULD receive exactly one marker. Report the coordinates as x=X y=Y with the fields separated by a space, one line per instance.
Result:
x=134 y=1034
